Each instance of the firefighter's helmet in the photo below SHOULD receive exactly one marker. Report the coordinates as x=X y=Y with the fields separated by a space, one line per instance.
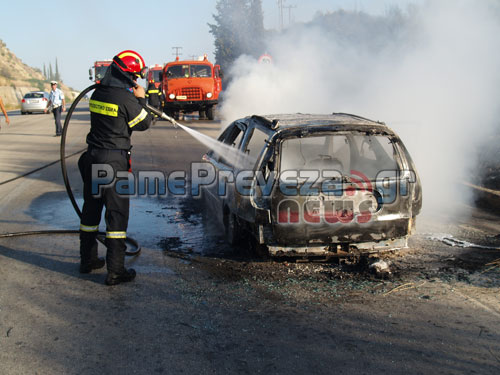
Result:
x=131 y=62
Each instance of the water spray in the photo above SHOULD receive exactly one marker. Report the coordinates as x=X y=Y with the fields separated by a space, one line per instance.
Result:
x=238 y=158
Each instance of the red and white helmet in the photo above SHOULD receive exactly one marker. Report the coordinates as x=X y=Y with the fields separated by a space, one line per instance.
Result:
x=131 y=62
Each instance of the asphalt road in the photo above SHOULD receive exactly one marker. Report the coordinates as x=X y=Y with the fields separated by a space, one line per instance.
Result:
x=198 y=306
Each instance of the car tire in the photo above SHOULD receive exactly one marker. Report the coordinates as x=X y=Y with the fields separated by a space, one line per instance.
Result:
x=23 y=113
x=202 y=114
x=210 y=113
x=232 y=229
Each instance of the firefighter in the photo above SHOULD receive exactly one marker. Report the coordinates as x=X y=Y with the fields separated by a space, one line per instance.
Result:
x=116 y=110
x=153 y=94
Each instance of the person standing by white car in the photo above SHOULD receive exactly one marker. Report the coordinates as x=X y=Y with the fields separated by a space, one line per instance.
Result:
x=58 y=105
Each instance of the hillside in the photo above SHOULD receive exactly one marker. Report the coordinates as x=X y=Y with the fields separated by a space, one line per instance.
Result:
x=17 y=78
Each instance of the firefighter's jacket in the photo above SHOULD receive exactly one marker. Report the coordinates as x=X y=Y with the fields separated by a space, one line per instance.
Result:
x=154 y=95
x=153 y=90
x=114 y=113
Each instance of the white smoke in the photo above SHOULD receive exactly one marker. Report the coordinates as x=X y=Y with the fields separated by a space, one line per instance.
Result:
x=435 y=81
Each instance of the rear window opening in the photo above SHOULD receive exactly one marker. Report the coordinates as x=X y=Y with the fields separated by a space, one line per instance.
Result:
x=366 y=154
x=33 y=95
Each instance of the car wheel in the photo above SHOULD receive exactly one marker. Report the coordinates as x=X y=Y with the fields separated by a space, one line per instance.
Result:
x=232 y=229
x=202 y=114
x=23 y=113
x=210 y=113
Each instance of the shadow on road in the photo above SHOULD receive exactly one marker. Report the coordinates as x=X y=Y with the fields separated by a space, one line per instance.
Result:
x=47 y=262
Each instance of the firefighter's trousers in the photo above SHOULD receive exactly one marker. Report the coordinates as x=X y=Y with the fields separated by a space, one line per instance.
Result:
x=117 y=209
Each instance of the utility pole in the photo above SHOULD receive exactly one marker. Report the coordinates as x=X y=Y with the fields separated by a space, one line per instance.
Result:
x=280 y=6
x=290 y=7
x=176 y=53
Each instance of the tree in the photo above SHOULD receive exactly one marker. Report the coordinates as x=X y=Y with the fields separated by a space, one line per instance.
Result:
x=238 y=30
x=44 y=71
x=51 y=74
x=57 y=77
x=256 y=21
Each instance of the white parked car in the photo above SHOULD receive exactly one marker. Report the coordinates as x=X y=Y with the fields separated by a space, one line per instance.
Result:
x=35 y=101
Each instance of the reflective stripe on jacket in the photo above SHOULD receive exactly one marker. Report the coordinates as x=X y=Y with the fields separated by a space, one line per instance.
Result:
x=114 y=114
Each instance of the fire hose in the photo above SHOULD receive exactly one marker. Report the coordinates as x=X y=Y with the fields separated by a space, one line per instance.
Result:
x=133 y=247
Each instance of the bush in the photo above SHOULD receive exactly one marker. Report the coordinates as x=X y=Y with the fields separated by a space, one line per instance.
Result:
x=4 y=72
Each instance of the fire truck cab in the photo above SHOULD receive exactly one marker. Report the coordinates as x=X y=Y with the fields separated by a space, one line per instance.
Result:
x=191 y=85
x=155 y=75
x=97 y=71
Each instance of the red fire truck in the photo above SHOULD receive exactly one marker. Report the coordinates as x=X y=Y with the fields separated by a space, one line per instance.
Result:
x=97 y=71
x=155 y=77
x=155 y=73
x=154 y=86
x=191 y=85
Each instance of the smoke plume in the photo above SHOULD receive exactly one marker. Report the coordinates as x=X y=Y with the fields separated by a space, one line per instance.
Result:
x=431 y=72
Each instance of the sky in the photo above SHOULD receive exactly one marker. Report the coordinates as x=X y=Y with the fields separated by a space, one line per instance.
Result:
x=79 y=32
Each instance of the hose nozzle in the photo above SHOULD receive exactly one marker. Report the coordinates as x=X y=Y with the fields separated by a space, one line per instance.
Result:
x=162 y=114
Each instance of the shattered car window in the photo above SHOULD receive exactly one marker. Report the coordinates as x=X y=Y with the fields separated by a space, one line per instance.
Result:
x=374 y=154
x=368 y=154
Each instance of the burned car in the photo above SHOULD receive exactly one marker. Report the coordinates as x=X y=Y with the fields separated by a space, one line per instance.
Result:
x=314 y=185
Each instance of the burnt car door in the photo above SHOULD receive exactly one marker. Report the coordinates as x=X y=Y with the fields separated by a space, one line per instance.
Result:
x=253 y=146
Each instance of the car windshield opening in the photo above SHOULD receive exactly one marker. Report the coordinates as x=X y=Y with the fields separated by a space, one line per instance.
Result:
x=364 y=154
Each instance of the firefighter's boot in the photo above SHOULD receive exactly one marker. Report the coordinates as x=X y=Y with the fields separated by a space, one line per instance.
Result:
x=115 y=258
x=88 y=253
x=125 y=276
